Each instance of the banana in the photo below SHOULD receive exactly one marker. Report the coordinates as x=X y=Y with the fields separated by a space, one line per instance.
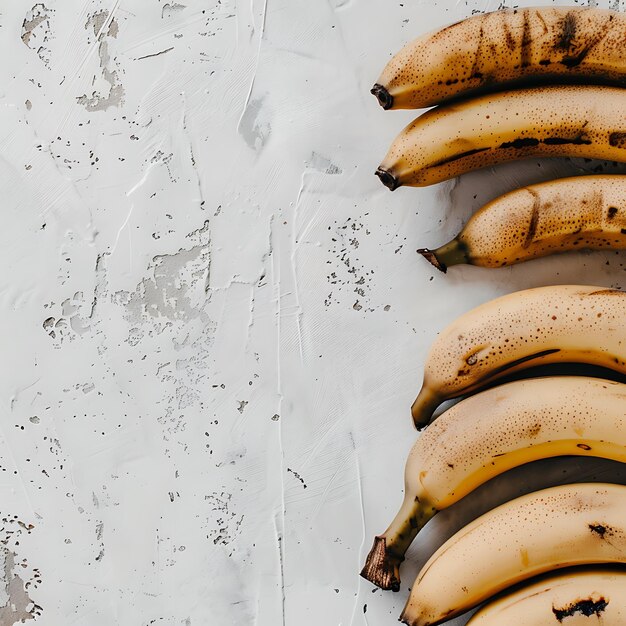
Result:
x=490 y=433
x=550 y=529
x=564 y=323
x=535 y=221
x=573 y=121
x=591 y=596
x=531 y=45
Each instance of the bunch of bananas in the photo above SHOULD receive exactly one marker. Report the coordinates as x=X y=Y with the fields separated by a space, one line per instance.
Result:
x=482 y=73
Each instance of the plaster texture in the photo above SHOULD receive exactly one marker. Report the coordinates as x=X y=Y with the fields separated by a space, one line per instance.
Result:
x=214 y=316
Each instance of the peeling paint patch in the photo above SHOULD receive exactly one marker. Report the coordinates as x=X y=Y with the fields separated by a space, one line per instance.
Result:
x=36 y=31
x=73 y=320
x=177 y=289
x=171 y=8
x=112 y=92
x=18 y=607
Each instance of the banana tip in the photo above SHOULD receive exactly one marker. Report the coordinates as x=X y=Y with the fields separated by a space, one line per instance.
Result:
x=431 y=257
x=385 y=99
x=387 y=178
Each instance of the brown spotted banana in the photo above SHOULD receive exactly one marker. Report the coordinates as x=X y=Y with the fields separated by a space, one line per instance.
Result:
x=554 y=324
x=490 y=433
x=579 y=524
x=582 y=212
x=595 y=595
x=557 y=121
x=505 y=48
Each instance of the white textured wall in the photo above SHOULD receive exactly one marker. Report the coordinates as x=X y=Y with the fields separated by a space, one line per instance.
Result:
x=214 y=317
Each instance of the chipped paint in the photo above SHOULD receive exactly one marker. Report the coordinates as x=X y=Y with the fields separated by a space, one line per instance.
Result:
x=37 y=31
x=171 y=8
x=214 y=315
x=18 y=607
x=105 y=28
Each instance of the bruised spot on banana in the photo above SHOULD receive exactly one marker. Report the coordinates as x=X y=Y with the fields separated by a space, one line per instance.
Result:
x=556 y=121
x=505 y=48
x=592 y=595
x=554 y=324
x=578 y=524
x=582 y=212
x=490 y=433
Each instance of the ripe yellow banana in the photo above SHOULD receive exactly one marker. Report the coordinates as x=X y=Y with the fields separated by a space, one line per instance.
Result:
x=544 y=44
x=564 y=323
x=550 y=529
x=560 y=215
x=574 y=121
x=490 y=433
x=577 y=598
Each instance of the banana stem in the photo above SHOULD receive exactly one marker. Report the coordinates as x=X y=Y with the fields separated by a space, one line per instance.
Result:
x=424 y=406
x=382 y=566
x=452 y=253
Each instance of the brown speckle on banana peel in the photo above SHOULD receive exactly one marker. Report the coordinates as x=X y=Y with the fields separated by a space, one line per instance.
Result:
x=561 y=323
x=491 y=432
x=582 y=212
x=586 y=607
x=511 y=47
x=537 y=533
x=591 y=595
x=556 y=121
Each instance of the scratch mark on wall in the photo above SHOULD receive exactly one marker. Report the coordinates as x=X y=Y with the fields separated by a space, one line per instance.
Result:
x=340 y=4
x=258 y=56
x=156 y=54
x=279 y=517
x=294 y=265
x=320 y=442
x=322 y=498
x=194 y=164
x=101 y=284
x=362 y=511
x=281 y=560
